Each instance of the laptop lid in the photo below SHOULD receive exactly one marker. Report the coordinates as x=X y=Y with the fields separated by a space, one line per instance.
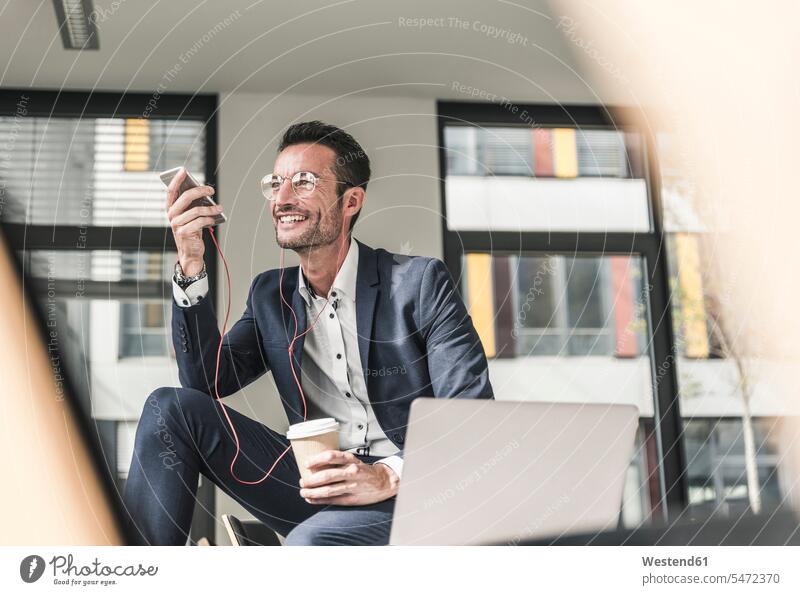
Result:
x=485 y=471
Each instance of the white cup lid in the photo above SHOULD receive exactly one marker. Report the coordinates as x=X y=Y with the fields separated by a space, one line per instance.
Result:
x=313 y=427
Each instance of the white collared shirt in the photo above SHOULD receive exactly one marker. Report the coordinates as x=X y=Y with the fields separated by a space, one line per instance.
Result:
x=331 y=374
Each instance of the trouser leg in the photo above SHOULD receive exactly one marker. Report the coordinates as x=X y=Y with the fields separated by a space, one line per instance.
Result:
x=182 y=433
x=346 y=525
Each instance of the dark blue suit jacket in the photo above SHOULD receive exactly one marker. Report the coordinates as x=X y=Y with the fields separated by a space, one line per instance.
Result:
x=415 y=338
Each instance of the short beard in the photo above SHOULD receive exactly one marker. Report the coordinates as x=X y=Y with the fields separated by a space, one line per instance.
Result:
x=318 y=235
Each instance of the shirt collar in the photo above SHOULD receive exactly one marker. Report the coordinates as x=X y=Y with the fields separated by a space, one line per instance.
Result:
x=345 y=282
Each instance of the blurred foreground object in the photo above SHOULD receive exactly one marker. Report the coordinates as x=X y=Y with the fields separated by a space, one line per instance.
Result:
x=52 y=492
x=723 y=78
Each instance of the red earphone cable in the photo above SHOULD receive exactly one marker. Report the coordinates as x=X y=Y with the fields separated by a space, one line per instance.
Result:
x=291 y=362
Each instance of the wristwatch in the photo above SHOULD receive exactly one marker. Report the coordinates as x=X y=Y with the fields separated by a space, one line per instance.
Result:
x=184 y=281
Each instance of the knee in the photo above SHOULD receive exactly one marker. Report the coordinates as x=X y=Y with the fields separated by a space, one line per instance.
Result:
x=305 y=534
x=167 y=406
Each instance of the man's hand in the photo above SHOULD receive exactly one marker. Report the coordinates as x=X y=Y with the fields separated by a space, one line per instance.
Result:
x=187 y=225
x=342 y=478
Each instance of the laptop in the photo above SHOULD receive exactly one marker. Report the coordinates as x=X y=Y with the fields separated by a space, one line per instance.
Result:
x=505 y=472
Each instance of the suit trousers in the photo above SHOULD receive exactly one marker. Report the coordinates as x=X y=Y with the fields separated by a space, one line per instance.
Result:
x=183 y=432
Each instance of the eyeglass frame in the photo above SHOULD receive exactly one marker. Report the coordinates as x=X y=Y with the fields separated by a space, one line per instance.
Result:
x=282 y=179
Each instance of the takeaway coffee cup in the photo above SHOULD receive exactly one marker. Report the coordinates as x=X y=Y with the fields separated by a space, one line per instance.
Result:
x=312 y=437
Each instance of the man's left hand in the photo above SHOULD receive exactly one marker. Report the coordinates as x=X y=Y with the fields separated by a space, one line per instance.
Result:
x=342 y=478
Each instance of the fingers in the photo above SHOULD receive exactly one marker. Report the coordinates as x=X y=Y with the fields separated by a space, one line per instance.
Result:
x=331 y=457
x=172 y=189
x=184 y=200
x=193 y=213
x=343 y=500
x=328 y=491
x=193 y=226
x=329 y=476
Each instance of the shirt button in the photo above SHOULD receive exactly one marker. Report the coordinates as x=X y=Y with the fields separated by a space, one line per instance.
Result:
x=331 y=314
x=338 y=356
x=360 y=426
x=185 y=302
x=333 y=294
x=348 y=395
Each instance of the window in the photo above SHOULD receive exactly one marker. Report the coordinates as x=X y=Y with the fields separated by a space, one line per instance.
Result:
x=83 y=208
x=589 y=236
x=516 y=178
x=143 y=329
x=94 y=171
x=569 y=328
x=716 y=465
x=729 y=410
x=579 y=306
x=552 y=234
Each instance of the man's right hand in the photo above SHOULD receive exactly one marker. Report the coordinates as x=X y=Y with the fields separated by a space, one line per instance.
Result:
x=187 y=225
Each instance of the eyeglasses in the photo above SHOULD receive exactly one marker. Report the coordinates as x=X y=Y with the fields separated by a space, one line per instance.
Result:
x=303 y=184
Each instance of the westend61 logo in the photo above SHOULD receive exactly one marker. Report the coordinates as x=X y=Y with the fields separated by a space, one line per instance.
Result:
x=66 y=572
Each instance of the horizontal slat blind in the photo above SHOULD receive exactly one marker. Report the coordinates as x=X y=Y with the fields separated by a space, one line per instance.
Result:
x=67 y=171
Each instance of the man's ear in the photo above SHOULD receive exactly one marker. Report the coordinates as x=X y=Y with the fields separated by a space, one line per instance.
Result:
x=355 y=197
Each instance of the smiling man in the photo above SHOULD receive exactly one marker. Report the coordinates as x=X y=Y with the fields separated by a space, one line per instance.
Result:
x=376 y=330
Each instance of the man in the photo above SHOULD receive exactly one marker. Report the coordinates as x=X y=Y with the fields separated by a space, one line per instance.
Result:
x=386 y=329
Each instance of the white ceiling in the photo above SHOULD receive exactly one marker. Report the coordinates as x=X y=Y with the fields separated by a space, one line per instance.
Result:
x=311 y=46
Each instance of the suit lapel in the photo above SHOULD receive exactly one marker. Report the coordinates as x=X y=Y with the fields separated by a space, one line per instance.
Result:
x=367 y=288
x=299 y=306
x=292 y=294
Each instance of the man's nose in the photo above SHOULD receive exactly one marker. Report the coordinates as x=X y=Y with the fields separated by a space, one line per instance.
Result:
x=286 y=196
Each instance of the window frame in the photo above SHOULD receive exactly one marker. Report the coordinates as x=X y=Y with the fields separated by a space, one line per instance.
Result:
x=651 y=246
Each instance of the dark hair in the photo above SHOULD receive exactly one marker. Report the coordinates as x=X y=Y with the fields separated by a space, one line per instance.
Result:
x=351 y=166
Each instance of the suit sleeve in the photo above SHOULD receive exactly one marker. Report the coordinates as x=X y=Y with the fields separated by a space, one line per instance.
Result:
x=456 y=359
x=195 y=336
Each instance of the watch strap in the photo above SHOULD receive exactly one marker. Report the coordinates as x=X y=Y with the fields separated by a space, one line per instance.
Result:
x=184 y=281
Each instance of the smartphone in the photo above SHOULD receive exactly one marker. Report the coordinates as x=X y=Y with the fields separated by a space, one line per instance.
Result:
x=190 y=182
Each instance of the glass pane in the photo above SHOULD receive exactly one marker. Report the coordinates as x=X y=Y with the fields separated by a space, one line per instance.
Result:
x=143 y=329
x=602 y=153
x=573 y=329
x=545 y=179
x=94 y=171
x=716 y=459
x=462 y=150
x=109 y=318
x=99 y=265
x=724 y=384
x=578 y=305
x=506 y=151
